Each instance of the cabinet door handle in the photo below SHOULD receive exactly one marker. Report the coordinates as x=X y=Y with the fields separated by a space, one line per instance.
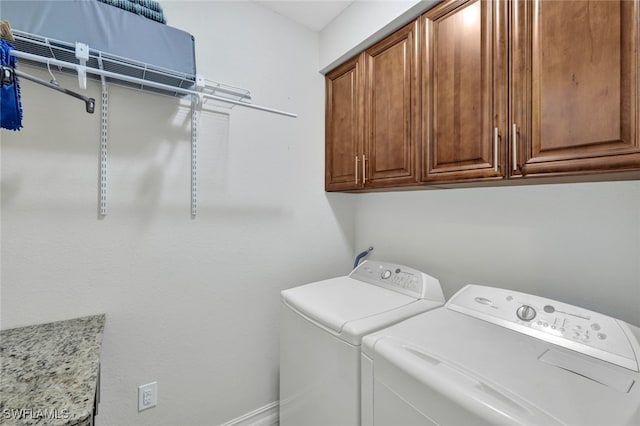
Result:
x=496 y=136
x=515 y=147
x=364 y=169
x=356 y=170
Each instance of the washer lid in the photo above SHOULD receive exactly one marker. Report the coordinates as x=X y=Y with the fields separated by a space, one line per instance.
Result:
x=337 y=302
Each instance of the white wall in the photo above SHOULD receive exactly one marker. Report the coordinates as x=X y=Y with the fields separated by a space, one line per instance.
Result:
x=191 y=303
x=363 y=23
x=578 y=243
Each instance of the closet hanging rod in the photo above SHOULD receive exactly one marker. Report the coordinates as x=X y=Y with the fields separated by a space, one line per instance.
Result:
x=116 y=76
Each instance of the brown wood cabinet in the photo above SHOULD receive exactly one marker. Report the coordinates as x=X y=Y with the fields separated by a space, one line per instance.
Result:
x=392 y=120
x=372 y=116
x=574 y=87
x=490 y=90
x=343 y=126
x=464 y=86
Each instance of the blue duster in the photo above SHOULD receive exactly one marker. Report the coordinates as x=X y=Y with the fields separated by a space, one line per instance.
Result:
x=10 y=105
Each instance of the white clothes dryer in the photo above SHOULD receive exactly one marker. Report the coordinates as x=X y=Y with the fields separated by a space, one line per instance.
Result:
x=322 y=325
x=496 y=356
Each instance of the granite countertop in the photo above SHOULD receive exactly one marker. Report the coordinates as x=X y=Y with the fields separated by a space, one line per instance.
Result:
x=49 y=372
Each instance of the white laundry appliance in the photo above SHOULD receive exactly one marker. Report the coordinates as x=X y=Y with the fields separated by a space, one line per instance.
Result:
x=495 y=356
x=322 y=325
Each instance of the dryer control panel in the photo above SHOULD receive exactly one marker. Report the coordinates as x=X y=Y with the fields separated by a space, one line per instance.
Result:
x=574 y=328
x=399 y=278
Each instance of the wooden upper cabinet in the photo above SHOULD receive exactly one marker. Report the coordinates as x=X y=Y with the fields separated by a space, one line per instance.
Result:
x=392 y=93
x=464 y=87
x=574 y=101
x=343 y=127
x=485 y=90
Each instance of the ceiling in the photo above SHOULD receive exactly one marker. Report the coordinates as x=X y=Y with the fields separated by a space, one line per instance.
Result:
x=314 y=15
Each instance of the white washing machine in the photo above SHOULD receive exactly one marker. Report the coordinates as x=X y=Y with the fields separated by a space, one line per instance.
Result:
x=322 y=325
x=495 y=356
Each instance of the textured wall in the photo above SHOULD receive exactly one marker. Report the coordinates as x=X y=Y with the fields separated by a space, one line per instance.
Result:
x=191 y=303
x=363 y=23
x=578 y=243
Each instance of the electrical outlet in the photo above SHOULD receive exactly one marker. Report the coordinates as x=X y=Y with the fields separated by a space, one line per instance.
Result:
x=147 y=396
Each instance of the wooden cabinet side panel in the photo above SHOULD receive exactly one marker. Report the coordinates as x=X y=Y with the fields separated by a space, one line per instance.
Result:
x=343 y=127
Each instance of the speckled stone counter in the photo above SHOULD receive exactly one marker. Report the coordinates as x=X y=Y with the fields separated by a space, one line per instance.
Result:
x=49 y=372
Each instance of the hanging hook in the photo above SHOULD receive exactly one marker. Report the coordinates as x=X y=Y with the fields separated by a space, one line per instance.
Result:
x=53 y=78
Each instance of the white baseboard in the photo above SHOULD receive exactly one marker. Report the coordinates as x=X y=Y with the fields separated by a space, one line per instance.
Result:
x=263 y=416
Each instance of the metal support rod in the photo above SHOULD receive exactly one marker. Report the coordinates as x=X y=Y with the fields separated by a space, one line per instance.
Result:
x=196 y=104
x=116 y=76
x=90 y=103
x=103 y=153
x=104 y=144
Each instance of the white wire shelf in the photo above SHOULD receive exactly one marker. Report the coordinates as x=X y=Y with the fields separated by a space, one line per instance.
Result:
x=47 y=52
x=48 y=48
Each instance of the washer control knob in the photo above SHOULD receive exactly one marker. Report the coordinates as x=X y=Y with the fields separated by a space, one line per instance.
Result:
x=385 y=274
x=526 y=313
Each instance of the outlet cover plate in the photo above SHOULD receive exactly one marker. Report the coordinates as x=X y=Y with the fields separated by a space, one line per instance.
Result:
x=147 y=396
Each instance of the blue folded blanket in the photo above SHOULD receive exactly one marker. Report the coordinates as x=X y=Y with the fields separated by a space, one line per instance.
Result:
x=148 y=8
x=149 y=4
x=10 y=105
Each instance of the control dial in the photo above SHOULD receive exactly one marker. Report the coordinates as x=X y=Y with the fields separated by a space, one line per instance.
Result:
x=385 y=274
x=526 y=313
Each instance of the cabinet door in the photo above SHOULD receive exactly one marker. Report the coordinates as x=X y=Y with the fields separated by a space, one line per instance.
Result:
x=574 y=86
x=465 y=91
x=391 y=109
x=343 y=127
